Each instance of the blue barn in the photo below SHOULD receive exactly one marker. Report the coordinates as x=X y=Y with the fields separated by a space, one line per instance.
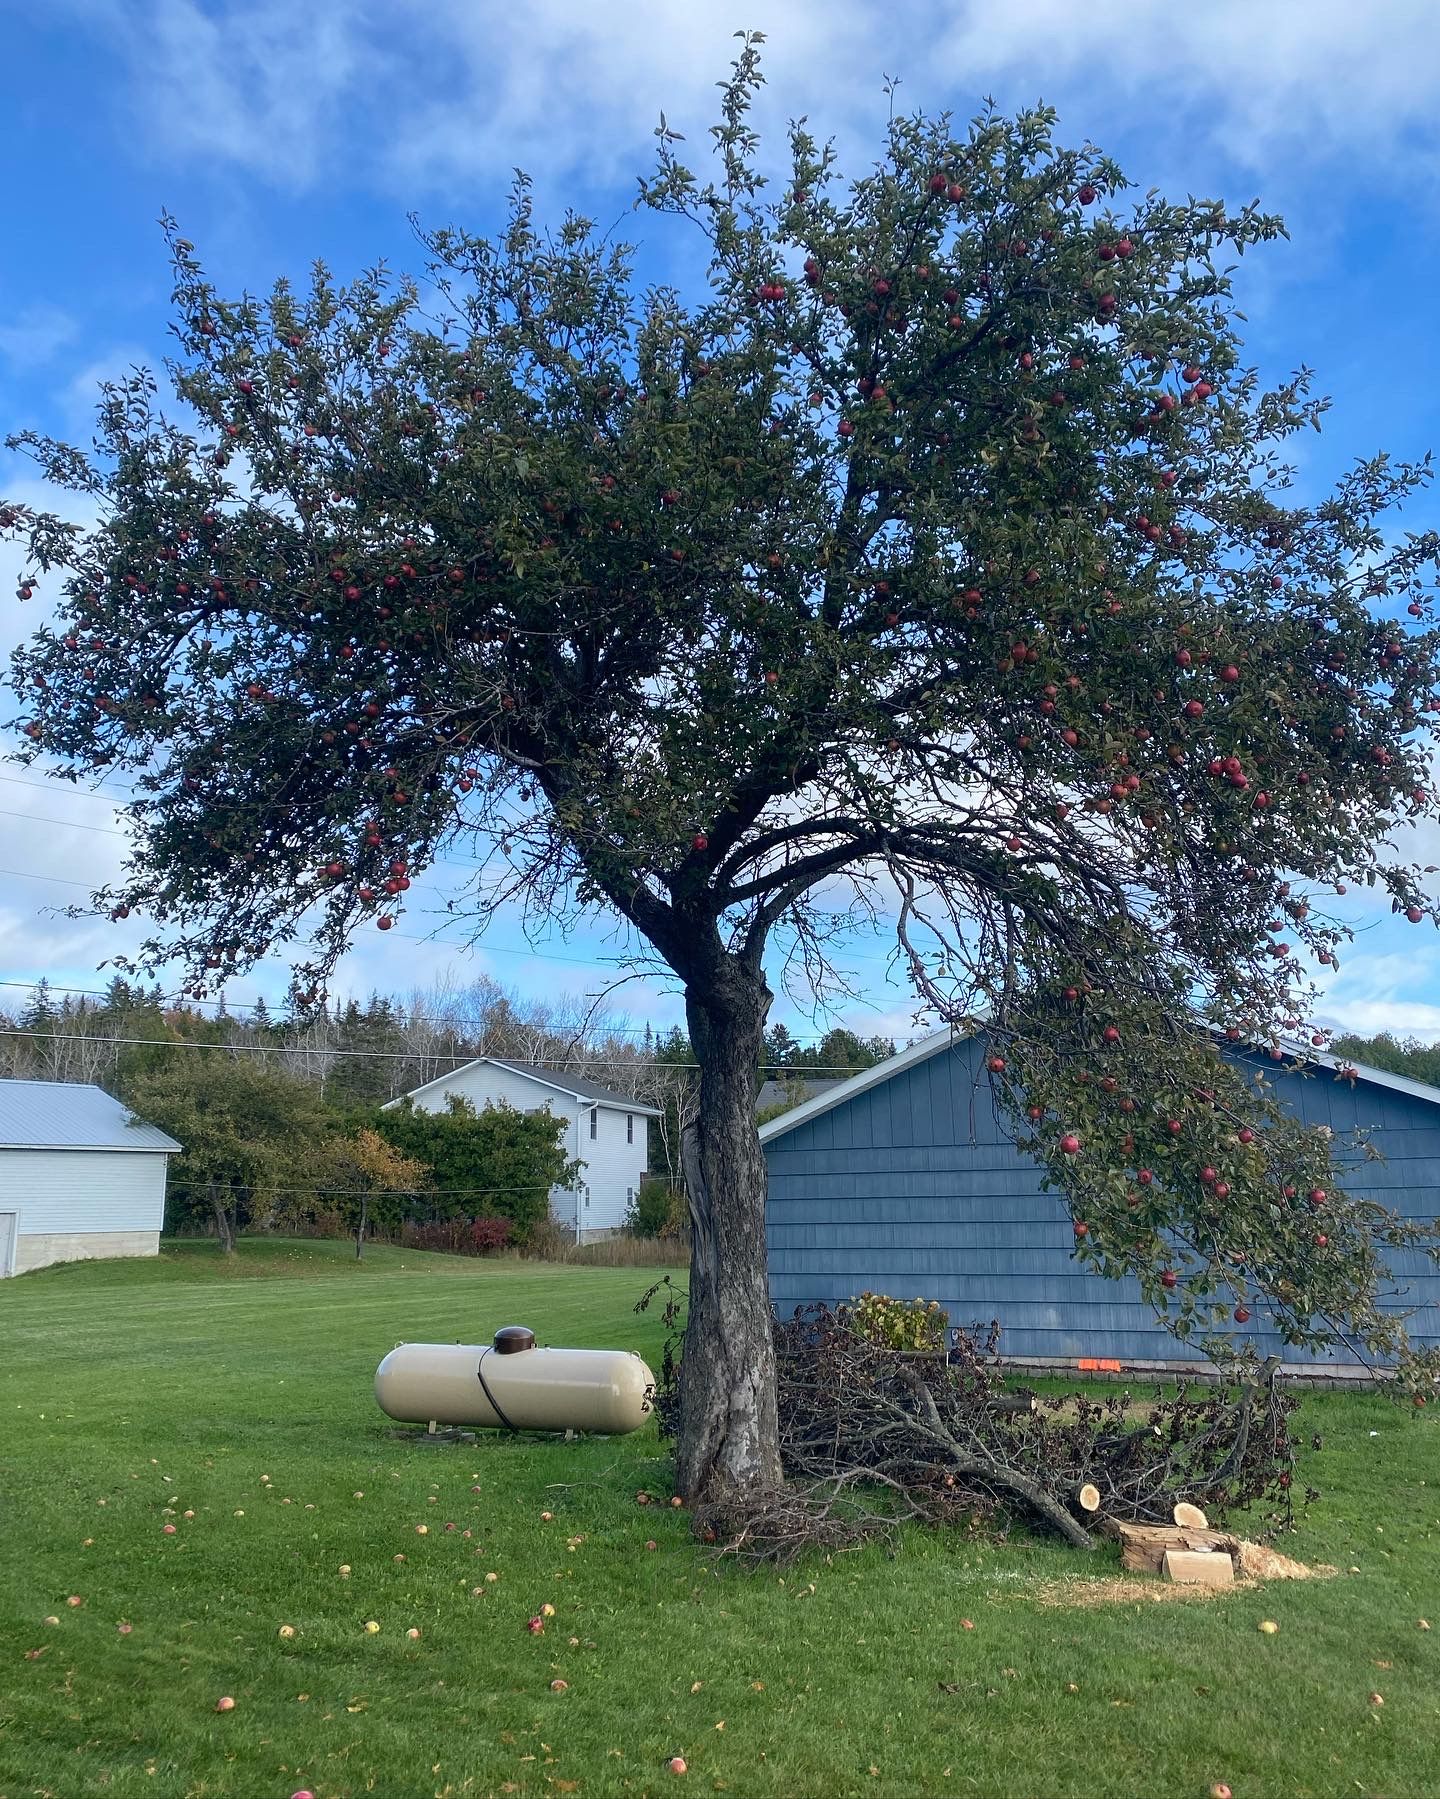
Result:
x=905 y=1180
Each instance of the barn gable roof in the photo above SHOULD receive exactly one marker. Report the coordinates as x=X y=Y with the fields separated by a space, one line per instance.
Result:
x=70 y=1115
x=576 y=1086
x=942 y=1040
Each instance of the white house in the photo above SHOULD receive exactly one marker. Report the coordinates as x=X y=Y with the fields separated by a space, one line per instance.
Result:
x=605 y=1132
x=80 y=1176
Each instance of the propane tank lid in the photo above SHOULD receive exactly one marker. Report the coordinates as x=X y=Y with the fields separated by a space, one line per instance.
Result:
x=510 y=1339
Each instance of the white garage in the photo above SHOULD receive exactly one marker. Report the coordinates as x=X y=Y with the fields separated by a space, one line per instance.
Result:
x=80 y=1176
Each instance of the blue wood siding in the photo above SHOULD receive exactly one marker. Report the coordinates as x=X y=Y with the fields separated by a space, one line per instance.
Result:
x=915 y=1188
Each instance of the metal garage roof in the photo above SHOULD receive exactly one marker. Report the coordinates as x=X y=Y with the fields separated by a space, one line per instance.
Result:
x=67 y=1115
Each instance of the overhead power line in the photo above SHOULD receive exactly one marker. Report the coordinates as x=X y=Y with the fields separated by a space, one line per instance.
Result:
x=487 y=949
x=62 y=787
x=402 y=1018
x=380 y=1055
x=65 y=824
x=367 y=1192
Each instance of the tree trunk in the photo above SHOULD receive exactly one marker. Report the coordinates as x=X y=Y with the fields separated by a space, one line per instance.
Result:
x=360 y=1226
x=222 y=1219
x=728 y=1436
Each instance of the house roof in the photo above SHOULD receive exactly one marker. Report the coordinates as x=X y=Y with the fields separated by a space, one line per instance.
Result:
x=576 y=1086
x=858 y=1084
x=798 y=1088
x=69 y=1115
x=941 y=1040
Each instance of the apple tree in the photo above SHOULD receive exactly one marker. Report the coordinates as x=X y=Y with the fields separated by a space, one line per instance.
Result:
x=936 y=564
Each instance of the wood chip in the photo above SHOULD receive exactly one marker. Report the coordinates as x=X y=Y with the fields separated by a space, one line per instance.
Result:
x=1256 y=1562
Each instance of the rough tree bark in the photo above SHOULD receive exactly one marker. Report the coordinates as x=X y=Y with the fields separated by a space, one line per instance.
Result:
x=364 y=1219
x=728 y=1433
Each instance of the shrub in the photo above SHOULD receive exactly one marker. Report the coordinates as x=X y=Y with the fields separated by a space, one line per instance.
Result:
x=659 y=1209
x=552 y=1242
x=489 y=1234
x=462 y=1236
x=898 y=1323
x=513 y=1159
x=548 y=1240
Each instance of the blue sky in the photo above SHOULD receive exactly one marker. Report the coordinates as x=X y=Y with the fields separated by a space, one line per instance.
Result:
x=277 y=133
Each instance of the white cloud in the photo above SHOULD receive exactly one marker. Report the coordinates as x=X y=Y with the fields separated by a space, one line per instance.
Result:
x=20 y=618
x=1375 y=993
x=80 y=395
x=35 y=334
x=1367 y=1018
x=437 y=94
x=1321 y=75
x=56 y=845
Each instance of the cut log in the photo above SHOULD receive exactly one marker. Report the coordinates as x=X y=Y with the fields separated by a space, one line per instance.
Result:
x=1199 y=1567
x=1143 y=1546
x=1089 y=1497
x=1190 y=1516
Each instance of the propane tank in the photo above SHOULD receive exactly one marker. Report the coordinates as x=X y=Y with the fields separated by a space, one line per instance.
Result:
x=510 y=1383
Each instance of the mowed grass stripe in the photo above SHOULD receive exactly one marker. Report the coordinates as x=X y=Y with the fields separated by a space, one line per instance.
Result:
x=214 y=1377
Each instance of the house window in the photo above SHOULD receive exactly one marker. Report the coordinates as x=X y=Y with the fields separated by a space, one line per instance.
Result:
x=587 y=1199
x=629 y=1127
x=594 y=1122
x=629 y=1196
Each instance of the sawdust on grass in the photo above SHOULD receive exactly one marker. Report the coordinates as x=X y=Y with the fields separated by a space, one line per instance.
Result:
x=1079 y=1593
x=1086 y=1593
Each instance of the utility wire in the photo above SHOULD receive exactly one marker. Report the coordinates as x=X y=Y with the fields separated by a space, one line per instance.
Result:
x=65 y=824
x=400 y=1021
x=23 y=874
x=355 y=1192
x=385 y=1055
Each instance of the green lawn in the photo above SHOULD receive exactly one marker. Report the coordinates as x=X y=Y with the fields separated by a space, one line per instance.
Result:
x=127 y=1388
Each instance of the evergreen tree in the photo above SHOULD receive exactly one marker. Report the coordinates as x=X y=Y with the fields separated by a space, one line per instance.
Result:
x=39 y=1012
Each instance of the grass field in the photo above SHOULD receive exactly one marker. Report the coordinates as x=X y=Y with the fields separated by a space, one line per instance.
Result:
x=129 y=1388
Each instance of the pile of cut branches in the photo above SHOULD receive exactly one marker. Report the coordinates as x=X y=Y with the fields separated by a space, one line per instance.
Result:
x=872 y=1435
